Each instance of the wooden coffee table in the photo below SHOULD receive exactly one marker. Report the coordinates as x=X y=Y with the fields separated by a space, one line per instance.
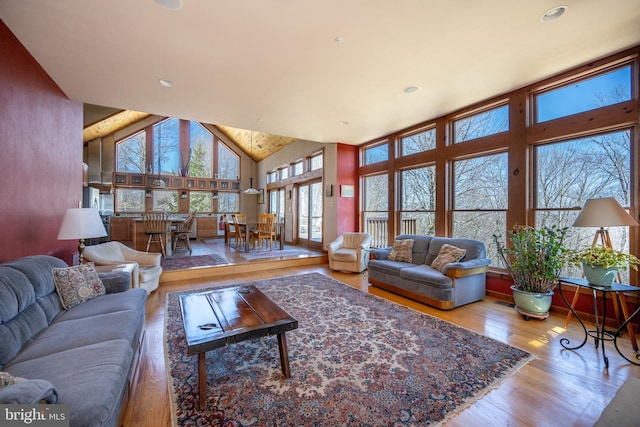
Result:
x=226 y=316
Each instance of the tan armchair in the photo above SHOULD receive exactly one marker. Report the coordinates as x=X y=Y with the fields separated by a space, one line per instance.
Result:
x=350 y=252
x=147 y=273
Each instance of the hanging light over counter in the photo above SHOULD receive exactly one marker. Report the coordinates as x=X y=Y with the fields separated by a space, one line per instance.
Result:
x=251 y=190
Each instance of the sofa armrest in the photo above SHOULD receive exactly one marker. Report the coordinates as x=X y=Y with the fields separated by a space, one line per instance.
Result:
x=115 y=281
x=30 y=392
x=467 y=268
x=379 y=253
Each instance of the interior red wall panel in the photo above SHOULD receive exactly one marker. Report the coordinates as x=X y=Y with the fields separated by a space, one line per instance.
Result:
x=41 y=161
x=347 y=174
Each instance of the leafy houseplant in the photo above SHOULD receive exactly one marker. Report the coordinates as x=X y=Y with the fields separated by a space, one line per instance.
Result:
x=534 y=260
x=601 y=264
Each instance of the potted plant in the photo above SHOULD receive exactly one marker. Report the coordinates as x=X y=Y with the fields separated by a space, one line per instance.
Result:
x=534 y=260
x=601 y=264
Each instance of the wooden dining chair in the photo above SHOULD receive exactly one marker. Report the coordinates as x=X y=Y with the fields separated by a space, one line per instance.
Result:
x=265 y=231
x=240 y=230
x=182 y=231
x=156 y=224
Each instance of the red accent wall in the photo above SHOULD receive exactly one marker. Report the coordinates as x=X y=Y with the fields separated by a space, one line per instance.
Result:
x=347 y=174
x=41 y=160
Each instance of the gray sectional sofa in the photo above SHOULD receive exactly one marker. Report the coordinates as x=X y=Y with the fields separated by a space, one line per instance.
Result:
x=85 y=357
x=458 y=283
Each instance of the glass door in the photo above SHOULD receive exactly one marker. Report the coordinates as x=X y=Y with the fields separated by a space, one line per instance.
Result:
x=309 y=214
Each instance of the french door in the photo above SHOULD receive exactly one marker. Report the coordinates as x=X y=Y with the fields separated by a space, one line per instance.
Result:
x=309 y=214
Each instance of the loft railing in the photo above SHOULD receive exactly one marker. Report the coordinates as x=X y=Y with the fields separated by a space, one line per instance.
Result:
x=378 y=228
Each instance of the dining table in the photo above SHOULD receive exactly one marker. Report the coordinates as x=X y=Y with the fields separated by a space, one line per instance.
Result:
x=249 y=226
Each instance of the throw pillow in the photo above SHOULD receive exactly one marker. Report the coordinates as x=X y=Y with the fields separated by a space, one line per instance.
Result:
x=77 y=284
x=401 y=251
x=447 y=254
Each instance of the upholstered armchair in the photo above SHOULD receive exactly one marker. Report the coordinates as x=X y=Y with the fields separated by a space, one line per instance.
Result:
x=147 y=273
x=350 y=252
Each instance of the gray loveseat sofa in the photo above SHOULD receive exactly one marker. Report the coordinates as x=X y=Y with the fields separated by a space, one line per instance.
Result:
x=458 y=283
x=85 y=357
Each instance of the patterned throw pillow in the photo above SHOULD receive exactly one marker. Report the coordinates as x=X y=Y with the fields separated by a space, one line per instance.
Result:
x=401 y=251
x=77 y=284
x=447 y=254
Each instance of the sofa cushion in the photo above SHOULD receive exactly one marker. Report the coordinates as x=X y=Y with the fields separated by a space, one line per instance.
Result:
x=77 y=284
x=345 y=255
x=388 y=267
x=401 y=251
x=80 y=332
x=91 y=379
x=448 y=254
x=426 y=275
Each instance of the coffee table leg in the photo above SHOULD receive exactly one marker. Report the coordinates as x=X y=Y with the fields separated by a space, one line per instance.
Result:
x=284 y=355
x=202 y=380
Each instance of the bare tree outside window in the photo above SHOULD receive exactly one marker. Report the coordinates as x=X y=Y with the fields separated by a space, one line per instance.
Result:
x=131 y=154
x=480 y=199
x=481 y=124
x=418 y=207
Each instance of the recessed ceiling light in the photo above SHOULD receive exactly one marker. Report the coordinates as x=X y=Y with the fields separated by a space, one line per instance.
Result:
x=554 y=13
x=344 y=122
x=166 y=83
x=411 y=89
x=170 y=4
x=339 y=40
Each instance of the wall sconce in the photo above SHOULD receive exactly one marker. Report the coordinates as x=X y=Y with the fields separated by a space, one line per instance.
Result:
x=328 y=190
x=147 y=193
x=215 y=195
x=183 y=195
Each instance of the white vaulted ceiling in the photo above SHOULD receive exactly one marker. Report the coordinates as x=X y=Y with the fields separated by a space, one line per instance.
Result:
x=276 y=66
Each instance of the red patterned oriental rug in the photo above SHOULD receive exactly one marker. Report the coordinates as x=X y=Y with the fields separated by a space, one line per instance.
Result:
x=356 y=360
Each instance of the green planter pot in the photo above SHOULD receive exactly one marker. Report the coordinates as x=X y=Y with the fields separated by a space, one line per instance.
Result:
x=531 y=303
x=598 y=275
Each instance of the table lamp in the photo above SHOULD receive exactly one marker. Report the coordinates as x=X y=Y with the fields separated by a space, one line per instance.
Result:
x=81 y=223
x=603 y=212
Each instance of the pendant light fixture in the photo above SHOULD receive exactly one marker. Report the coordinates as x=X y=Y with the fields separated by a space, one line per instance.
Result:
x=251 y=190
x=158 y=182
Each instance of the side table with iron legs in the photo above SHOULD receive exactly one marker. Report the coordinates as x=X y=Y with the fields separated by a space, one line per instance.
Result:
x=600 y=334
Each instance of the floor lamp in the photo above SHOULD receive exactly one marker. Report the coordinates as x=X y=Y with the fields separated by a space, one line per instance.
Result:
x=604 y=212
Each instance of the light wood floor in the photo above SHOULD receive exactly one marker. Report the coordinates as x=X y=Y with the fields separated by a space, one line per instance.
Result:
x=558 y=388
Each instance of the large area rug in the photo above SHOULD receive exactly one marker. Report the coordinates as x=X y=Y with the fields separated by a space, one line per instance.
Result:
x=356 y=360
x=192 y=261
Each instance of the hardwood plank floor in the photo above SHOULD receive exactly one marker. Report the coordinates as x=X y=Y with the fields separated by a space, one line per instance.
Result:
x=558 y=388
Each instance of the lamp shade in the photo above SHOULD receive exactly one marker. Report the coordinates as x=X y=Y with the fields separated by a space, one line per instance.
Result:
x=603 y=212
x=81 y=223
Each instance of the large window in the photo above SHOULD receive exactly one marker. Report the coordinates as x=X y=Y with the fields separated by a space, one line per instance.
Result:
x=480 y=199
x=481 y=124
x=165 y=200
x=570 y=172
x=131 y=154
x=584 y=95
x=418 y=142
x=418 y=195
x=375 y=154
x=228 y=163
x=201 y=201
x=129 y=200
x=228 y=202
x=376 y=208
x=166 y=147
x=199 y=158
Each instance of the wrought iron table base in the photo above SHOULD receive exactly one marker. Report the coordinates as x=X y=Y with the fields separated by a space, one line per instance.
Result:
x=600 y=334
